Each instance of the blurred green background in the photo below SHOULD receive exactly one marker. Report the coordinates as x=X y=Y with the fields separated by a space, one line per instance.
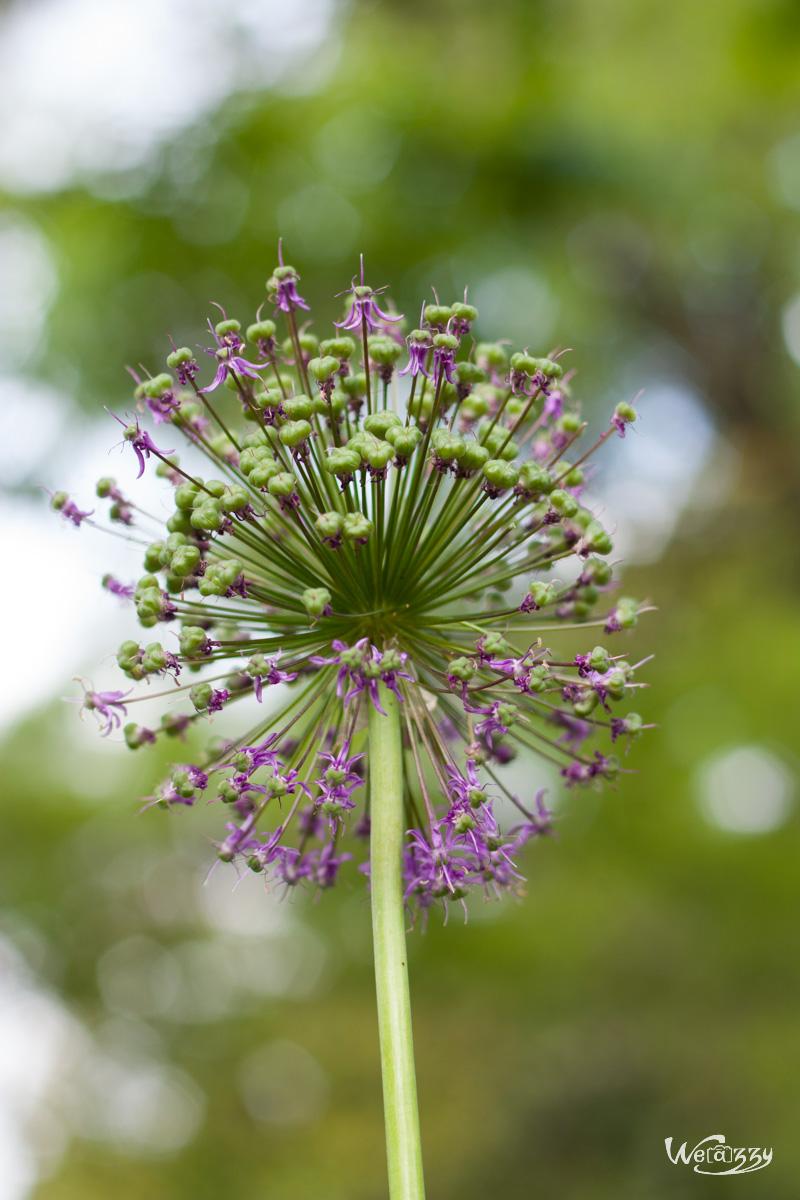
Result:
x=620 y=178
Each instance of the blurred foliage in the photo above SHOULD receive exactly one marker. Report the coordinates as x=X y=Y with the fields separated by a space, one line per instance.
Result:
x=624 y=155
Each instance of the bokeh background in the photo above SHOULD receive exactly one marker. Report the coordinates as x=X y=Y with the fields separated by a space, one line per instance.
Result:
x=617 y=177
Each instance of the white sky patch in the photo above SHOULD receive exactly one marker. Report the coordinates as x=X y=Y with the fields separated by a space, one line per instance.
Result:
x=28 y=285
x=92 y=86
x=746 y=789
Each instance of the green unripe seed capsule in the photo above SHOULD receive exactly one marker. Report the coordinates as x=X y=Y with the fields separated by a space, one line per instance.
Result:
x=316 y=600
x=339 y=347
x=437 y=314
x=323 y=369
x=200 y=695
x=261 y=331
x=563 y=503
x=281 y=484
x=500 y=475
x=356 y=527
x=294 y=433
x=178 y=357
x=329 y=524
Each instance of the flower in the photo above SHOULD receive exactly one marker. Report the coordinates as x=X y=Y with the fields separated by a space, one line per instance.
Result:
x=358 y=550
x=364 y=308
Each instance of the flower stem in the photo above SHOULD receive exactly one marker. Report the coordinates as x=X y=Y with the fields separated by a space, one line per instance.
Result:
x=403 y=1149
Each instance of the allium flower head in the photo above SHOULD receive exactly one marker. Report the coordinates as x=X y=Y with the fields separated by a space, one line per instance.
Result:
x=368 y=533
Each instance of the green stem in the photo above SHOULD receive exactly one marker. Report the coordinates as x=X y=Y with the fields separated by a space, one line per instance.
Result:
x=403 y=1149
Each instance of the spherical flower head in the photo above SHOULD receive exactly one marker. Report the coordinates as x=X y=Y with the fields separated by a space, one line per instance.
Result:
x=370 y=535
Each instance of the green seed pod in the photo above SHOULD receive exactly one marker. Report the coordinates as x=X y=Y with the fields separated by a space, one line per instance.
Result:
x=316 y=600
x=323 y=369
x=377 y=453
x=598 y=571
x=498 y=442
x=563 y=503
x=261 y=331
x=260 y=475
x=500 y=475
x=329 y=524
x=626 y=411
x=230 y=325
x=342 y=348
x=282 y=484
x=128 y=660
x=236 y=500
x=553 y=370
x=192 y=639
x=180 y=522
x=184 y=561
x=136 y=735
x=186 y=494
x=380 y=423
x=384 y=351
x=437 y=314
x=152 y=556
x=354 y=386
x=463 y=669
x=105 y=486
x=356 y=527
x=154 y=657
x=200 y=695
x=534 y=480
x=586 y=705
x=469 y=372
x=525 y=364
x=150 y=603
x=332 y=408
x=464 y=312
x=217 y=487
x=298 y=408
x=342 y=461
x=573 y=476
x=570 y=423
x=597 y=540
x=294 y=433
x=158 y=386
x=491 y=355
x=208 y=517
x=448 y=447
x=178 y=357
x=473 y=458
x=542 y=594
x=446 y=341
x=474 y=407
x=268 y=400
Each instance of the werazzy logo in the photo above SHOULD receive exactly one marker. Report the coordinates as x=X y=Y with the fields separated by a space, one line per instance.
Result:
x=713 y=1157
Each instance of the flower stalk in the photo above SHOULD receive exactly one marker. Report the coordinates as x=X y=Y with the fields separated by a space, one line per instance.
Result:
x=403 y=1147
